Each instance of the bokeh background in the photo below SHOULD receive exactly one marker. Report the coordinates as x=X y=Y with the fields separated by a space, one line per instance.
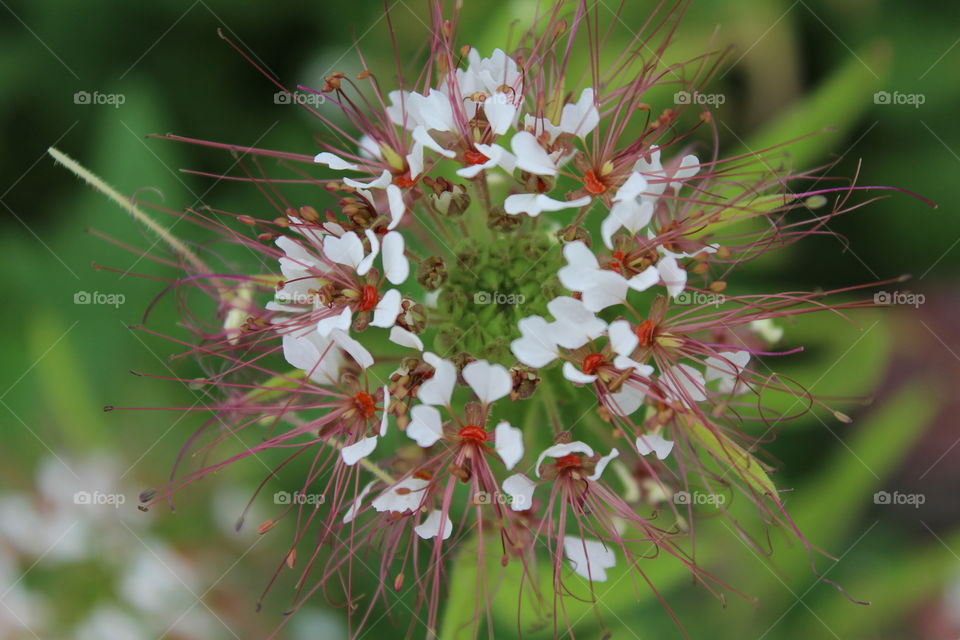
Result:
x=105 y=571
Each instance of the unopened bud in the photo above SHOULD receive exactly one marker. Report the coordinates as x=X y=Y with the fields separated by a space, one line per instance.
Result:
x=574 y=234
x=432 y=273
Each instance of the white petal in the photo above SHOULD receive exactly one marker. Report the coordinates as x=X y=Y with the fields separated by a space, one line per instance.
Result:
x=355 y=452
x=520 y=489
x=335 y=162
x=531 y=157
x=313 y=354
x=508 y=444
x=420 y=135
x=426 y=426
x=387 y=310
x=602 y=464
x=535 y=204
x=632 y=188
x=430 y=528
x=536 y=348
x=356 y=350
x=438 y=389
x=560 y=450
x=364 y=267
x=689 y=167
x=355 y=507
x=347 y=249
x=726 y=368
x=571 y=373
x=436 y=111
x=624 y=363
x=645 y=279
x=609 y=288
x=342 y=322
x=415 y=160
x=684 y=384
x=404 y=496
x=404 y=338
x=379 y=183
x=396 y=267
x=589 y=558
x=622 y=338
x=489 y=381
x=626 y=401
x=580 y=118
x=500 y=113
x=385 y=418
x=673 y=276
x=576 y=325
x=499 y=156
x=397 y=207
x=654 y=443
x=369 y=147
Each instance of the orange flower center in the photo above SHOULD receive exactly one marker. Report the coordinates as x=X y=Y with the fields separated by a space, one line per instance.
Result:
x=368 y=297
x=364 y=404
x=593 y=184
x=474 y=433
x=591 y=362
x=569 y=461
x=474 y=157
x=617 y=263
x=644 y=331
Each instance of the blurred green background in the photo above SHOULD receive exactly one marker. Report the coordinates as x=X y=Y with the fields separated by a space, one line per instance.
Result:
x=70 y=570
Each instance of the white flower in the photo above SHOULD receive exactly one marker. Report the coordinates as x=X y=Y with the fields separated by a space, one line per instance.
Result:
x=489 y=382
x=404 y=496
x=496 y=156
x=601 y=288
x=726 y=368
x=567 y=448
x=630 y=209
x=581 y=118
x=575 y=325
x=535 y=347
x=589 y=558
x=430 y=527
x=654 y=443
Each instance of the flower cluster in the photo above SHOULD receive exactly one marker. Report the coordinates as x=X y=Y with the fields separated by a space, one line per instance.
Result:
x=498 y=294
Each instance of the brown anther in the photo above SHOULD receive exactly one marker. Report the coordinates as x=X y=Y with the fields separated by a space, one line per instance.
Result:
x=718 y=286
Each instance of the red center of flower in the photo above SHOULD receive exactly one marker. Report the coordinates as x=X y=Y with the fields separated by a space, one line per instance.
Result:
x=571 y=460
x=617 y=263
x=404 y=181
x=593 y=184
x=474 y=433
x=364 y=403
x=474 y=157
x=368 y=297
x=591 y=362
x=644 y=331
